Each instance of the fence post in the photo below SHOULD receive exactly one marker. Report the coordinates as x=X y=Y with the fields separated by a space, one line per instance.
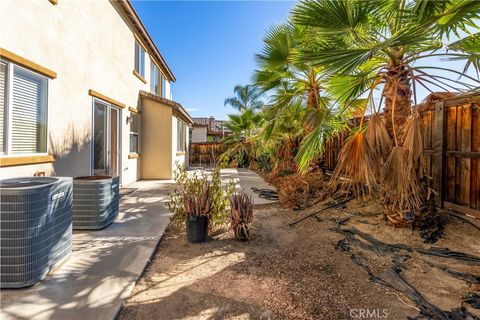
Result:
x=438 y=163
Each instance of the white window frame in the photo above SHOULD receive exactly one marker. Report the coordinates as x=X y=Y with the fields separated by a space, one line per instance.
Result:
x=181 y=147
x=8 y=114
x=153 y=67
x=137 y=133
x=109 y=106
x=141 y=49
x=163 y=90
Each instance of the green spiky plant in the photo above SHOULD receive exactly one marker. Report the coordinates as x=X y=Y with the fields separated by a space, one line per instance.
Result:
x=383 y=46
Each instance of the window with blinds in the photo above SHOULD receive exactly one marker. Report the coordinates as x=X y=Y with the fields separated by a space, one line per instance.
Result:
x=134 y=127
x=3 y=105
x=181 y=136
x=23 y=111
x=154 y=79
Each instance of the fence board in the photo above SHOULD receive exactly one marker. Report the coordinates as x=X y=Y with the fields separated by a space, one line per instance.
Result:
x=466 y=145
x=475 y=176
x=451 y=146
x=451 y=141
x=205 y=153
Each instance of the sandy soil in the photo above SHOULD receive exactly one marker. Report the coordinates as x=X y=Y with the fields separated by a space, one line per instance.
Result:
x=294 y=272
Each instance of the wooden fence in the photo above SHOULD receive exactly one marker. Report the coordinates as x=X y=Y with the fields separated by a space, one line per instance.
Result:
x=451 y=142
x=204 y=154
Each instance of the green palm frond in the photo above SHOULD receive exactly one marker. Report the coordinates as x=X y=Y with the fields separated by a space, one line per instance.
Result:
x=246 y=97
x=470 y=52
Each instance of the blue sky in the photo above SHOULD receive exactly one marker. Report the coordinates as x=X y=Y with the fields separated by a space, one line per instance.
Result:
x=209 y=45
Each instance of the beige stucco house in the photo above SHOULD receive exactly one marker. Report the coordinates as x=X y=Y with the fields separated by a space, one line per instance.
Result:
x=85 y=90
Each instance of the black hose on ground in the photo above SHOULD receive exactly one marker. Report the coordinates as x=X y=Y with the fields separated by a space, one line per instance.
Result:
x=267 y=194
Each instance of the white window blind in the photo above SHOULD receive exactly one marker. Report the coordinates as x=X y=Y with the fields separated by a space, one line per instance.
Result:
x=181 y=135
x=28 y=128
x=3 y=103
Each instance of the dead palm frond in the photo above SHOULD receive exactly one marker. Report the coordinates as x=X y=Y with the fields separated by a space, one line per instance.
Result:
x=378 y=139
x=355 y=170
x=413 y=141
x=401 y=189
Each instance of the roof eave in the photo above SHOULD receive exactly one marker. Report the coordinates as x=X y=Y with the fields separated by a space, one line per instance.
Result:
x=130 y=12
x=177 y=107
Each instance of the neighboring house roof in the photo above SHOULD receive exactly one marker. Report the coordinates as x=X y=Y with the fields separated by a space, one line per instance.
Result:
x=214 y=126
x=131 y=14
x=177 y=107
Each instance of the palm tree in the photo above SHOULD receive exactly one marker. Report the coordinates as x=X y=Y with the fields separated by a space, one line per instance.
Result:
x=246 y=97
x=281 y=141
x=295 y=84
x=368 y=46
x=241 y=141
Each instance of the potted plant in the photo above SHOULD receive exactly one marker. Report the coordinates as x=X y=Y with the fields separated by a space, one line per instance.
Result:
x=241 y=206
x=197 y=207
x=200 y=201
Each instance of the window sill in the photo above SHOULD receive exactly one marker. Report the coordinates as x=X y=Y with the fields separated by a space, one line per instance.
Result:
x=25 y=160
x=180 y=153
x=133 y=110
x=133 y=155
x=139 y=76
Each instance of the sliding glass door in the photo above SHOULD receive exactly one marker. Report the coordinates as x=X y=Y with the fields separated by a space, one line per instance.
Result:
x=106 y=125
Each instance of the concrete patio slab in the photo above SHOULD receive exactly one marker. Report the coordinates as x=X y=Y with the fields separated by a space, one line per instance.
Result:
x=247 y=179
x=104 y=264
x=243 y=178
x=250 y=179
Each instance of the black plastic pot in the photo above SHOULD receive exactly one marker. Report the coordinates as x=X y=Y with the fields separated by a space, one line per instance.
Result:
x=242 y=234
x=197 y=228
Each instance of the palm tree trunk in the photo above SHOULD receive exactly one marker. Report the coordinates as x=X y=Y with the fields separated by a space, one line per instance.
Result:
x=312 y=95
x=397 y=91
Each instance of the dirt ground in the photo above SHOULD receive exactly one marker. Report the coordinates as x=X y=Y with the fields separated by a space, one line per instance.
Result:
x=296 y=272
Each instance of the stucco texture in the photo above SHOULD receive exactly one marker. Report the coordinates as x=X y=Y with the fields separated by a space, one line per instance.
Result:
x=90 y=46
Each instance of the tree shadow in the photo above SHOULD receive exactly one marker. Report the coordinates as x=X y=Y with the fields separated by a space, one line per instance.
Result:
x=103 y=267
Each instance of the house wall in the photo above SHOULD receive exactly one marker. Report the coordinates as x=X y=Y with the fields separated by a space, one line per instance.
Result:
x=90 y=46
x=199 y=134
x=156 y=140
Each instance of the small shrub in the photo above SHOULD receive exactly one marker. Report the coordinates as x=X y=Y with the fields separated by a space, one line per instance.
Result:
x=264 y=163
x=242 y=158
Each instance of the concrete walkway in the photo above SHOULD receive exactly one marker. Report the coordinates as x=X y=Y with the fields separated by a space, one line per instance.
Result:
x=244 y=179
x=104 y=265
x=247 y=179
